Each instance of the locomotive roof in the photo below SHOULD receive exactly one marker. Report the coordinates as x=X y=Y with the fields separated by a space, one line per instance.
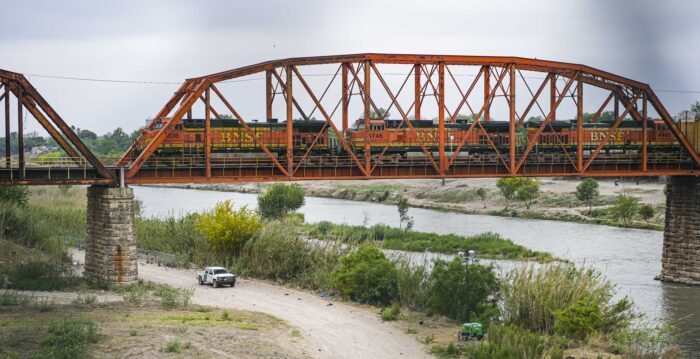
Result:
x=232 y=122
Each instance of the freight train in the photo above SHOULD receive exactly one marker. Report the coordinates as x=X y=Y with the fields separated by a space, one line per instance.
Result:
x=393 y=136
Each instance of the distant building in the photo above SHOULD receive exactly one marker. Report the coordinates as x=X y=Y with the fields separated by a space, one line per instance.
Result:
x=39 y=150
x=688 y=116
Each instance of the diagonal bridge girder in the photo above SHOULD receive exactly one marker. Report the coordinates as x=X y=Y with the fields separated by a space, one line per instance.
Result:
x=574 y=75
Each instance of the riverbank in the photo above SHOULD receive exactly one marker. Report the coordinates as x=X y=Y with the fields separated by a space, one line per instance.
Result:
x=556 y=200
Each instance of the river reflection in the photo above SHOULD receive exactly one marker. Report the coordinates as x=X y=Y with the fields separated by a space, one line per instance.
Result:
x=628 y=257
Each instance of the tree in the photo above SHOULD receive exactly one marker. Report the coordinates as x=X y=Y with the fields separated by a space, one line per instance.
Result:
x=366 y=276
x=508 y=187
x=646 y=211
x=18 y=195
x=695 y=107
x=402 y=206
x=456 y=286
x=528 y=190
x=587 y=192
x=381 y=113
x=625 y=208
x=279 y=200
x=481 y=192
x=228 y=230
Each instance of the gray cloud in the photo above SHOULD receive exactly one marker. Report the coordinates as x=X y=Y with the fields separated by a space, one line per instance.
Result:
x=162 y=40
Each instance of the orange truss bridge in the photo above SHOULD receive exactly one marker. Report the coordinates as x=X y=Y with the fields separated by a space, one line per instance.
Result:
x=445 y=117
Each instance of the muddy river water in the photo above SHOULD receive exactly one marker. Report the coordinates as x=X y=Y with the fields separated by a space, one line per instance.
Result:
x=630 y=258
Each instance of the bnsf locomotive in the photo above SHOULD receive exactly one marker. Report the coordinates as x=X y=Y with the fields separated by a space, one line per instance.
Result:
x=391 y=136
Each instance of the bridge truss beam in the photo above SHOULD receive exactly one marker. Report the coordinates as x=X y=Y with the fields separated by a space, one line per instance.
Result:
x=430 y=74
x=81 y=166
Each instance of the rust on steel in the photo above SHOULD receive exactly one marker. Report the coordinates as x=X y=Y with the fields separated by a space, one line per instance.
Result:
x=358 y=157
x=28 y=97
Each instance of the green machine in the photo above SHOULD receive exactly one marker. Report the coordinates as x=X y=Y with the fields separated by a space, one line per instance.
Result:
x=471 y=331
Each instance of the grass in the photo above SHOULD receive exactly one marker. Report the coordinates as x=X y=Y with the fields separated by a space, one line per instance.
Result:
x=488 y=245
x=122 y=329
x=173 y=346
x=390 y=313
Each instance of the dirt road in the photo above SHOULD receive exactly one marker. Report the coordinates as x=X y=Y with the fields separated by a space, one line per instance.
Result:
x=330 y=331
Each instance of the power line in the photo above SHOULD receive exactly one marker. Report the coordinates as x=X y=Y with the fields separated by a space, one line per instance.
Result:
x=143 y=82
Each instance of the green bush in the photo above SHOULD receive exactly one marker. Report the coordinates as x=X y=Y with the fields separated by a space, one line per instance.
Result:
x=36 y=275
x=68 y=339
x=276 y=253
x=462 y=292
x=412 y=283
x=366 y=276
x=532 y=295
x=511 y=342
x=227 y=230
x=17 y=195
x=178 y=236
x=579 y=320
x=280 y=199
x=390 y=313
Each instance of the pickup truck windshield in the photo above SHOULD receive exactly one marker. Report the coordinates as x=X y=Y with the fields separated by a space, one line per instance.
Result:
x=220 y=271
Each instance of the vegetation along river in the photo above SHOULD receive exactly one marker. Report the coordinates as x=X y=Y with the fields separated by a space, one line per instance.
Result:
x=630 y=258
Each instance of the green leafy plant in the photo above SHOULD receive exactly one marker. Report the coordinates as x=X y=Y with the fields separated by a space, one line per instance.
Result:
x=390 y=313
x=646 y=211
x=587 y=192
x=279 y=200
x=625 y=208
x=228 y=230
x=461 y=292
x=366 y=276
x=173 y=346
x=578 y=320
x=68 y=339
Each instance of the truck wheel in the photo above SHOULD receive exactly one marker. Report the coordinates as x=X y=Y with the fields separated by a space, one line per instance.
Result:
x=214 y=284
x=199 y=279
x=233 y=284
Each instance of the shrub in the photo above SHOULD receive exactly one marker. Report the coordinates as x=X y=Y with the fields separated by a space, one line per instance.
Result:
x=178 y=236
x=168 y=296
x=531 y=297
x=37 y=275
x=587 y=192
x=461 y=292
x=133 y=293
x=228 y=230
x=173 y=346
x=366 y=276
x=646 y=211
x=624 y=208
x=280 y=199
x=390 y=313
x=85 y=298
x=276 y=253
x=17 y=195
x=511 y=342
x=68 y=339
x=412 y=284
x=579 y=320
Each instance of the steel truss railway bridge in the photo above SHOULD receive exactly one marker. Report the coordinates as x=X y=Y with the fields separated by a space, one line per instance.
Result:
x=360 y=84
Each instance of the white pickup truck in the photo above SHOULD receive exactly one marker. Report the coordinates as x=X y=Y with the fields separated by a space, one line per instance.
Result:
x=217 y=276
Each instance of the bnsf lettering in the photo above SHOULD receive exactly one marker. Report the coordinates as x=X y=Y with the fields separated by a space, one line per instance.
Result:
x=600 y=135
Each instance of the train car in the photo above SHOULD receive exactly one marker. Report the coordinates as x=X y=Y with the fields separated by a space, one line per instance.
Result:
x=229 y=136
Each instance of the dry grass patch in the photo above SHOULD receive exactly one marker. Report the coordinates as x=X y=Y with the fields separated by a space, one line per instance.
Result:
x=150 y=331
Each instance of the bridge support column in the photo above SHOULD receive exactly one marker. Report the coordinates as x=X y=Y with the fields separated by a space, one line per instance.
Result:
x=680 y=261
x=110 y=246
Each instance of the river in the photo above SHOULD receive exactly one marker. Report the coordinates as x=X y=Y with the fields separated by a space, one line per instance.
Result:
x=630 y=258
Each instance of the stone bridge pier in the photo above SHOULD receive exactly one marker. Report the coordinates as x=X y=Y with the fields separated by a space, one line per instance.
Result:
x=680 y=260
x=110 y=245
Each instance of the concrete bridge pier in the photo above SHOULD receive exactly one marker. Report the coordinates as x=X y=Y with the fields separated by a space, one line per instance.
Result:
x=680 y=262
x=110 y=245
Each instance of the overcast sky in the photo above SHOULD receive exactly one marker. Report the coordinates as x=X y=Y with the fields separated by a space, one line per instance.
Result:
x=650 y=41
